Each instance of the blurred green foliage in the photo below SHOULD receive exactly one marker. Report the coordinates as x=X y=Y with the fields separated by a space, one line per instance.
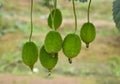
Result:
x=115 y=65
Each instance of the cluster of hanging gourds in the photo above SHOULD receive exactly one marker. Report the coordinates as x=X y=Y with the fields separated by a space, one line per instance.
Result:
x=53 y=43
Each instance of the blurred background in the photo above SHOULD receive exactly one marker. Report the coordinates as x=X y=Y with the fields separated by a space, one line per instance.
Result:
x=100 y=64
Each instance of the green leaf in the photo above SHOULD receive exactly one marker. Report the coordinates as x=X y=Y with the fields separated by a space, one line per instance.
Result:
x=116 y=13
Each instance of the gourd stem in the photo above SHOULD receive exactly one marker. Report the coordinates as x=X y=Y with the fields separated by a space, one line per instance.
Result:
x=49 y=72
x=31 y=67
x=75 y=16
x=87 y=45
x=88 y=14
x=55 y=4
x=53 y=16
x=31 y=19
x=70 y=60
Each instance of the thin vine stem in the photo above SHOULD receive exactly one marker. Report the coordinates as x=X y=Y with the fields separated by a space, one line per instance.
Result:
x=31 y=20
x=53 y=17
x=74 y=10
x=88 y=14
x=55 y=4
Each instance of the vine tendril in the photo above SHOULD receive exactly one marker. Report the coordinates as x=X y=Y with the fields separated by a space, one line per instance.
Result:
x=31 y=19
x=55 y=4
x=74 y=10
x=88 y=14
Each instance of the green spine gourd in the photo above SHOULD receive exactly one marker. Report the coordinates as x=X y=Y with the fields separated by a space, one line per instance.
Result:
x=53 y=42
x=47 y=60
x=71 y=46
x=30 y=54
x=87 y=33
x=55 y=19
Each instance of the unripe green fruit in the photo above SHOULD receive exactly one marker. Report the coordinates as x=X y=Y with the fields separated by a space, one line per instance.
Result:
x=47 y=60
x=87 y=33
x=53 y=42
x=29 y=54
x=55 y=19
x=71 y=46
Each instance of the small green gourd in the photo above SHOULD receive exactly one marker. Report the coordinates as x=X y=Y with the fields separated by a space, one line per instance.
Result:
x=53 y=42
x=30 y=54
x=47 y=60
x=87 y=33
x=71 y=46
x=55 y=19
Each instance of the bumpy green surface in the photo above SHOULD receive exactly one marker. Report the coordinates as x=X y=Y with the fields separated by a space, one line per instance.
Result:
x=29 y=54
x=55 y=19
x=88 y=33
x=71 y=45
x=53 y=42
x=47 y=60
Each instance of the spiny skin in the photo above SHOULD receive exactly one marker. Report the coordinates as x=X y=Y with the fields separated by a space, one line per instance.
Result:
x=71 y=45
x=55 y=19
x=47 y=60
x=29 y=54
x=53 y=42
x=88 y=33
